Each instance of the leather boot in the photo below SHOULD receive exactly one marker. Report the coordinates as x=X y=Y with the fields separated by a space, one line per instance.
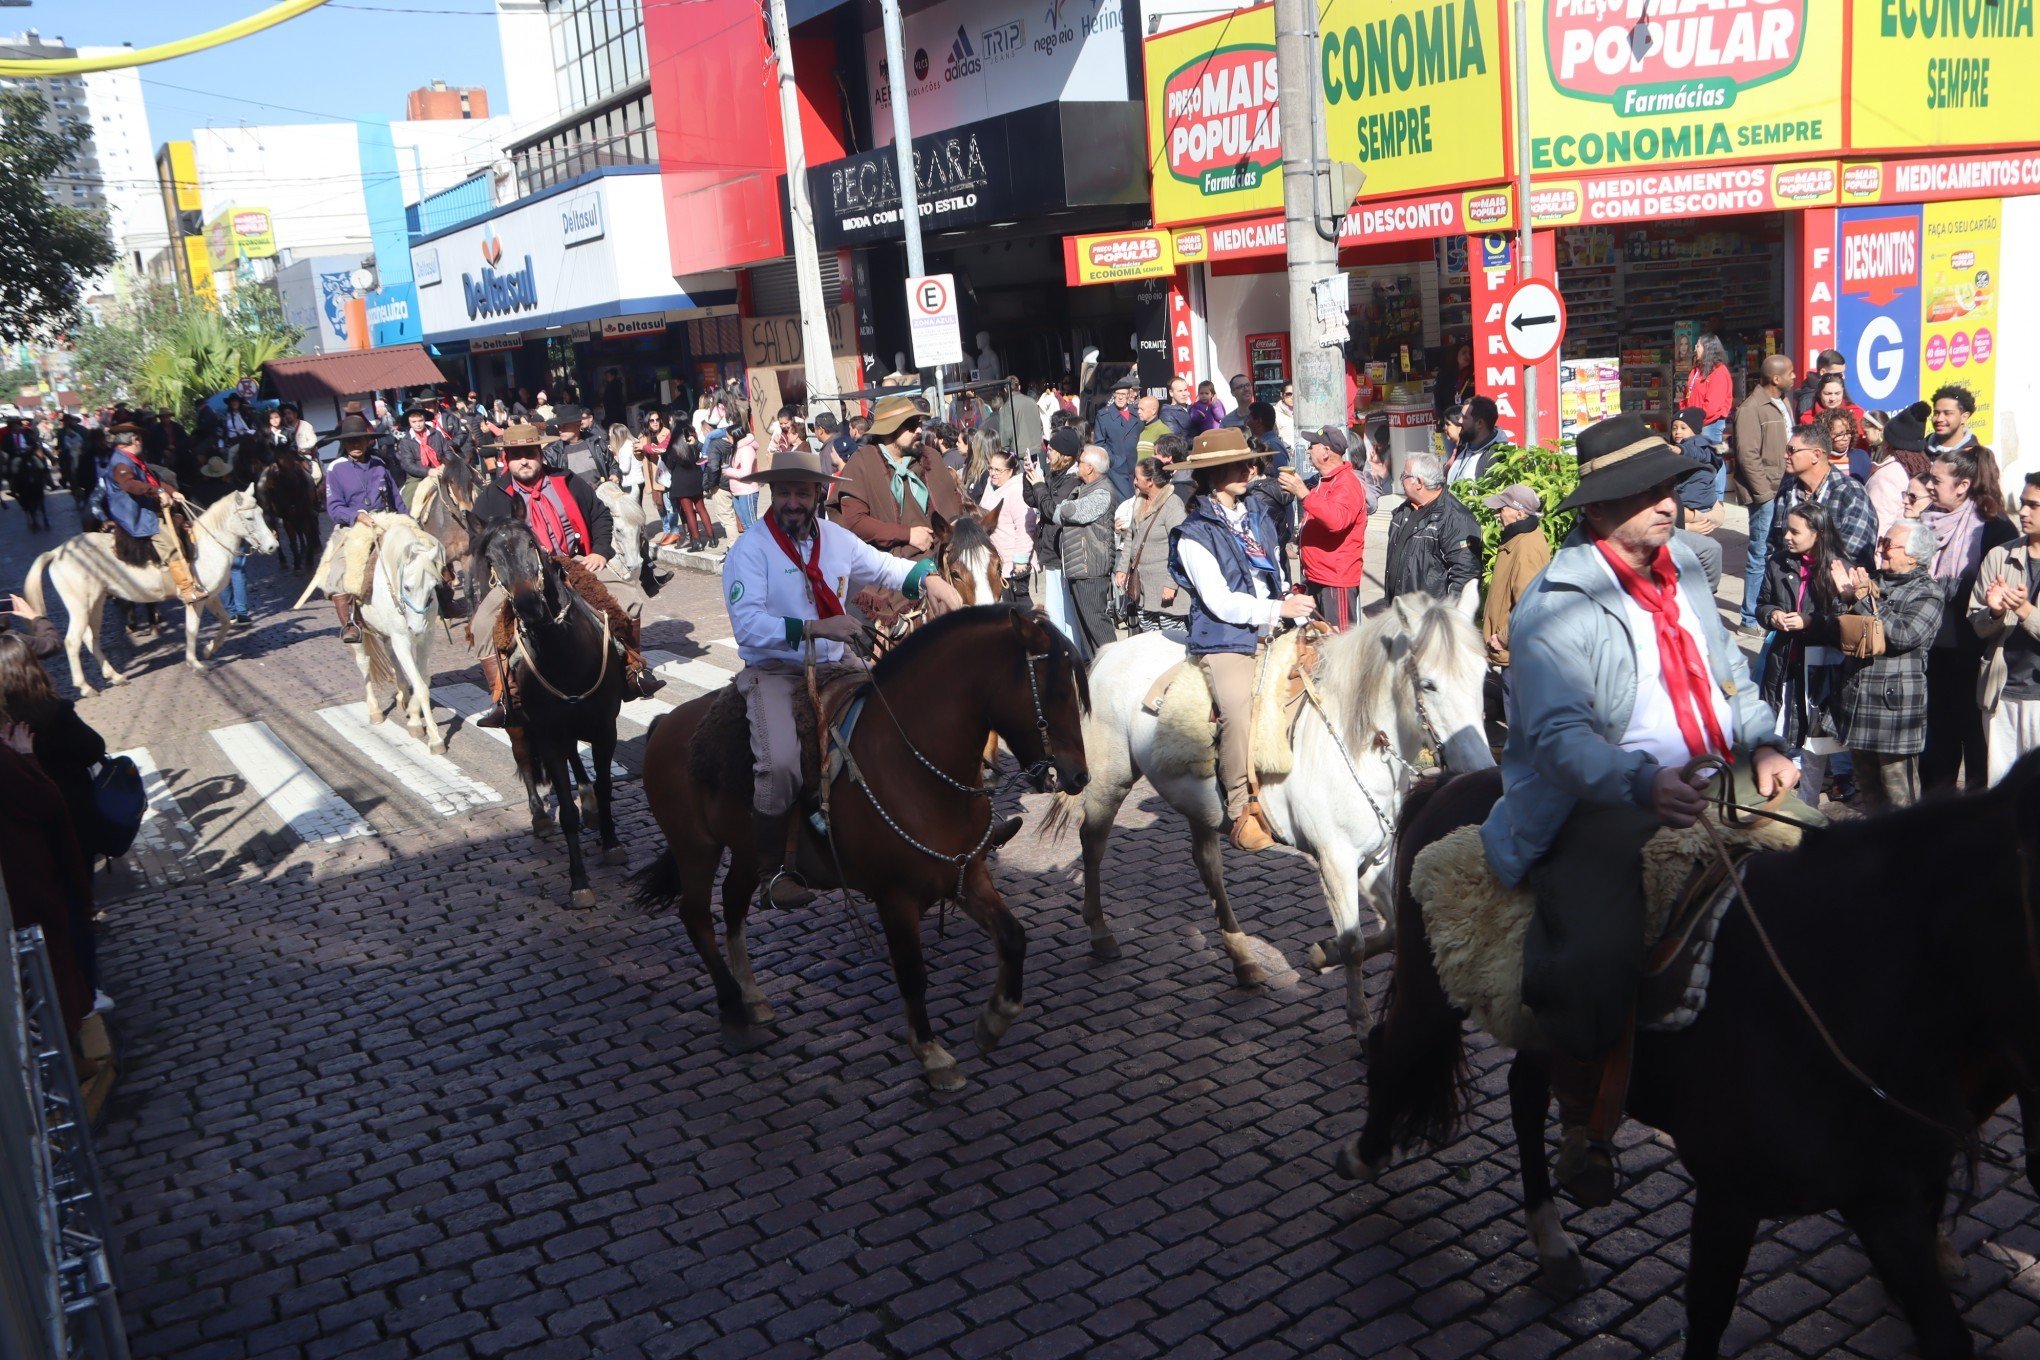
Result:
x=185 y=583
x=343 y=609
x=451 y=606
x=1590 y=1101
x=768 y=834
x=499 y=714
x=638 y=676
x=1250 y=830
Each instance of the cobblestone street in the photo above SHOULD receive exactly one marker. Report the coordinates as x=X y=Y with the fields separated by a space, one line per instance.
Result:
x=384 y=1095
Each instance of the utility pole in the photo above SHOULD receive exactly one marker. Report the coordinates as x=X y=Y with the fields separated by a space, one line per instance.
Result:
x=903 y=152
x=1526 y=264
x=818 y=356
x=1319 y=371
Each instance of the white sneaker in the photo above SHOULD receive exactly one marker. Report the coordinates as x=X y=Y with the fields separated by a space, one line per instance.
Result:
x=102 y=1003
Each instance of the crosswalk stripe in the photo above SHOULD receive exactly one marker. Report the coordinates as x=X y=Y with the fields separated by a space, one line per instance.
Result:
x=393 y=750
x=702 y=675
x=471 y=701
x=286 y=785
x=163 y=819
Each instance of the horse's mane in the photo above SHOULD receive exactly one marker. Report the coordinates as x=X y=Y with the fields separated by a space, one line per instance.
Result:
x=907 y=653
x=1355 y=674
x=967 y=536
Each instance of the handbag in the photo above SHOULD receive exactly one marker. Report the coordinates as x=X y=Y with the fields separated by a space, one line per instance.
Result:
x=1862 y=634
x=119 y=800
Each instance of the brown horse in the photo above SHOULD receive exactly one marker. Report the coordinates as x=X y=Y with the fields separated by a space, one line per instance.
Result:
x=1914 y=940
x=965 y=557
x=917 y=823
x=290 y=502
x=445 y=515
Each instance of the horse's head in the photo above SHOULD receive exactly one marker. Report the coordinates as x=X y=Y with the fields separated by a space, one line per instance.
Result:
x=246 y=523
x=965 y=558
x=1428 y=657
x=1038 y=708
x=509 y=554
x=417 y=564
x=458 y=483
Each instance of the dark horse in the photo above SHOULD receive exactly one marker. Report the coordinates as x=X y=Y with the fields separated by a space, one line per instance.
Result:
x=569 y=679
x=1913 y=938
x=958 y=680
x=290 y=503
x=446 y=516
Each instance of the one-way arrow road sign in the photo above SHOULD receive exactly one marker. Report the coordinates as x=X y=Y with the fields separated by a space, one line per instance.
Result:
x=1533 y=320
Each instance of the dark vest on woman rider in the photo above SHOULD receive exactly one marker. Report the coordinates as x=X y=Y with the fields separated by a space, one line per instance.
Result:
x=1205 y=526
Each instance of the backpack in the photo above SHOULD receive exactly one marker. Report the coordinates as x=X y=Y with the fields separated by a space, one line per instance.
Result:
x=119 y=800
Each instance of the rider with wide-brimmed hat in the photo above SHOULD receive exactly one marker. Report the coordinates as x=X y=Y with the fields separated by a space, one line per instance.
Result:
x=891 y=490
x=422 y=447
x=140 y=504
x=569 y=521
x=358 y=483
x=786 y=580
x=1620 y=674
x=1227 y=555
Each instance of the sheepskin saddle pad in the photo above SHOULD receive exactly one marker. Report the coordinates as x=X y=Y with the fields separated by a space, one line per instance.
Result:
x=1477 y=927
x=1186 y=736
x=721 y=753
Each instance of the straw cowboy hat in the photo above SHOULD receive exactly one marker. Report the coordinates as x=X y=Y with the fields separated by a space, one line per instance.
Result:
x=1215 y=448
x=890 y=414
x=216 y=466
x=1621 y=456
x=798 y=464
x=522 y=434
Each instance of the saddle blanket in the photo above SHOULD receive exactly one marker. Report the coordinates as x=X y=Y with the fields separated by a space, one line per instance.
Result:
x=721 y=750
x=1185 y=719
x=1477 y=927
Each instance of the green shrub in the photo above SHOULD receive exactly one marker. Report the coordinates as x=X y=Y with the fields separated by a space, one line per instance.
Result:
x=1551 y=473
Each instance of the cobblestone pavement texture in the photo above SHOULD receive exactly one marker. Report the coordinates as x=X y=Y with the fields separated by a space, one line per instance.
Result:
x=389 y=1097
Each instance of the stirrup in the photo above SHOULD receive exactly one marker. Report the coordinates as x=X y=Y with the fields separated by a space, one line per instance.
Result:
x=1585 y=1169
x=1250 y=831
x=799 y=895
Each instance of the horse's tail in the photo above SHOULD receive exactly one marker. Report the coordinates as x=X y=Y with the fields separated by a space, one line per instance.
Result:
x=382 y=666
x=1065 y=811
x=656 y=887
x=32 y=588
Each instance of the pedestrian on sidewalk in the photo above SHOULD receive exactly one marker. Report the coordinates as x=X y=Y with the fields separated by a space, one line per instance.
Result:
x=1085 y=516
x=1522 y=554
x=2002 y=610
x=1153 y=600
x=1968 y=521
x=1763 y=425
x=1333 y=543
x=1881 y=704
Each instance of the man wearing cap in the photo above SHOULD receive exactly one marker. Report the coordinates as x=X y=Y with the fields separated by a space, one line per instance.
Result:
x=139 y=503
x=1118 y=428
x=1227 y=555
x=891 y=490
x=569 y=521
x=357 y=482
x=1522 y=553
x=1334 y=538
x=781 y=583
x=576 y=454
x=1620 y=674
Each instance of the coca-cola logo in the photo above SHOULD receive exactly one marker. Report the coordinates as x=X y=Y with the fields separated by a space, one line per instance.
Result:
x=1647 y=59
x=1221 y=119
x=1486 y=209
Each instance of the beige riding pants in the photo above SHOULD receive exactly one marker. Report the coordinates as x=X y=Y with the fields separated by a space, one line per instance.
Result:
x=482 y=627
x=1231 y=677
x=770 y=690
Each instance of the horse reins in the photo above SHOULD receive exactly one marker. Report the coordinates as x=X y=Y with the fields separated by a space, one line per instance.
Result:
x=1729 y=809
x=523 y=653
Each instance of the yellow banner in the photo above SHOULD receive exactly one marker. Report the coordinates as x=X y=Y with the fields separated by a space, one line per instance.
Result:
x=1115 y=257
x=1959 y=288
x=1413 y=93
x=1943 y=73
x=1214 y=124
x=1616 y=84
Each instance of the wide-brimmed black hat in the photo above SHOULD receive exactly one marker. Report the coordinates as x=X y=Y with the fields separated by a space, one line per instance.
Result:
x=566 y=413
x=1621 y=456
x=354 y=427
x=1907 y=431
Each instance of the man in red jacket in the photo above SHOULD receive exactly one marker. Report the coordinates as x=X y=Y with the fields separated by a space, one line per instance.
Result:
x=1334 y=526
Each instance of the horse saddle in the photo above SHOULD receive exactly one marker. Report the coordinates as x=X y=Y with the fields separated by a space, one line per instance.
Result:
x=721 y=752
x=1185 y=714
x=1477 y=927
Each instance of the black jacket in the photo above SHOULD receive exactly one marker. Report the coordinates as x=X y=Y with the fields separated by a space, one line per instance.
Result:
x=557 y=453
x=67 y=747
x=1043 y=497
x=1435 y=550
x=411 y=457
x=496 y=504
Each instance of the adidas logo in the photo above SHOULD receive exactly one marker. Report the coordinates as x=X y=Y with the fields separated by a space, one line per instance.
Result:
x=963 y=58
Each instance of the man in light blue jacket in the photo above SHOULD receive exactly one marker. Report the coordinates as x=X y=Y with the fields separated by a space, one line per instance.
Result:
x=1620 y=674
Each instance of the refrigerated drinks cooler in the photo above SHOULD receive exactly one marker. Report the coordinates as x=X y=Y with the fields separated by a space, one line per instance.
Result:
x=1268 y=365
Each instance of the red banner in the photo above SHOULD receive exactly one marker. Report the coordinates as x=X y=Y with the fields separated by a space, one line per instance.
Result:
x=2003 y=174
x=1498 y=374
x=1817 y=286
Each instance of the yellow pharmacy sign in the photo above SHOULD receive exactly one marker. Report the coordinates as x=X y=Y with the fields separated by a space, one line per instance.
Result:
x=1619 y=84
x=1414 y=93
x=1942 y=73
x=1214 y=123
x=1959 y=289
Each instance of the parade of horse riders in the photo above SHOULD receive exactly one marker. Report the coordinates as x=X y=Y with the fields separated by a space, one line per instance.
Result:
x=957 y=680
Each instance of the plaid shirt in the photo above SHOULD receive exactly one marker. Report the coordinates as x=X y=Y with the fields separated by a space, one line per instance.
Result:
x=1882 y=703
x=1846 y=502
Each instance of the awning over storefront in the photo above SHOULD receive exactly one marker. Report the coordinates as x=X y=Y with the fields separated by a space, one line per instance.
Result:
x=334 y=377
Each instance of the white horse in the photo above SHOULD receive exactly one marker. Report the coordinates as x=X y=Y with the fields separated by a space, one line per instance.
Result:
x=398 y=612
x=85 y=571
x=1404 y=681
x=628 y=523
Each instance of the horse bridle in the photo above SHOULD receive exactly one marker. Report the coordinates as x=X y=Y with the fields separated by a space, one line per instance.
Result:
x=1037 y=773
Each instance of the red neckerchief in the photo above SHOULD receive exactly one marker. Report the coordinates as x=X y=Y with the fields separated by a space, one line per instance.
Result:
x=1680 y=663
x=554 y=534
x=827 y=605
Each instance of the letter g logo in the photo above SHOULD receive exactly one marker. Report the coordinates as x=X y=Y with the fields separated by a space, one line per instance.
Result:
x=1879 y=358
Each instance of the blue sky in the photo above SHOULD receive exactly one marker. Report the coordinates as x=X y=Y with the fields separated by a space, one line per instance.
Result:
x=347 y=59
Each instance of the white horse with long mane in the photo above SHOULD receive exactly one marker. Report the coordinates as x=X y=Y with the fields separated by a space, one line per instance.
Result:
x=85 y=572
x=398 y=612
x=1406 y=681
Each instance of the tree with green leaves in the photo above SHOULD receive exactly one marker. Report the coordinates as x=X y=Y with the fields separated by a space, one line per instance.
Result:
x=163 y=348
x=47 y=250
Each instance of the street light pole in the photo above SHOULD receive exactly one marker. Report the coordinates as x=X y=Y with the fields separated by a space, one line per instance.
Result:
x=1317 y=371
x=1526 y=263
x=903 y=153
x=817 y=355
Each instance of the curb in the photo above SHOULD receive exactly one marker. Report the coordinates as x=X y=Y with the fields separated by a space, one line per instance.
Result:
x=707 y=563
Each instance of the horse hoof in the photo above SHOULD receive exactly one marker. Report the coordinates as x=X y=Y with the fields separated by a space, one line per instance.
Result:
x=991 y=1028
x=1353 y=1167
x=200 y=667
x=740 y=1036
x=376 y=715
x=1948 y=1261
x=1562 y=1277
x=1320 y=961
x=1105 y=948
x=1384 y=943
x=544 y=828
x=760 y=1012
x=616 y=854
x=581 y=898
x=948 y=1078
x=437 y=746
